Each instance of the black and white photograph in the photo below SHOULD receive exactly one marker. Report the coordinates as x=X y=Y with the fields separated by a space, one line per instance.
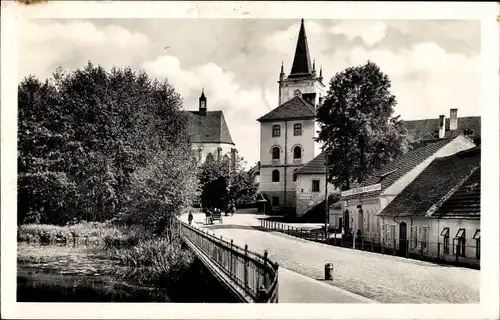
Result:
x=217 y=155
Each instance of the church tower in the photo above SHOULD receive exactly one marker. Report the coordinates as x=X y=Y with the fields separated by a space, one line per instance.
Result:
x=287 y=132
x=302 y=79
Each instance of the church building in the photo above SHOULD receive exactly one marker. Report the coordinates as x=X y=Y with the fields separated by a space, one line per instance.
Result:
x=287 y=132
x=209 y=134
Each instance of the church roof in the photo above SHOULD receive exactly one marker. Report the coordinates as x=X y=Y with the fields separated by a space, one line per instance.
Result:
x=209 y=128
x=301 y=62
x=295 y=108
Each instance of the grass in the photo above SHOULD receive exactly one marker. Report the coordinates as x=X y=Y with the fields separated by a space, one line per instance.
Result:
x=88 y=232
x=154 y=260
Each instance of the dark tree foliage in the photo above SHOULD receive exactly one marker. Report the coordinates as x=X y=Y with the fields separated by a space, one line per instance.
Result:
x=93 y=144
x=220 y=184
x=357 y=129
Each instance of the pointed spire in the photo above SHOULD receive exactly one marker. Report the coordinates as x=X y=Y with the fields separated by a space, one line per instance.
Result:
x=321 y=72
x=301 y=62
x=314 y=65
x=282 y=71
x=202 y=92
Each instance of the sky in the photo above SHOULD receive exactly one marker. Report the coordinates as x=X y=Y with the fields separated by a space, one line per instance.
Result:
x=434 y=65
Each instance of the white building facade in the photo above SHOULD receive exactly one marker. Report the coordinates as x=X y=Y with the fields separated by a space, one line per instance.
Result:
x=287 y=133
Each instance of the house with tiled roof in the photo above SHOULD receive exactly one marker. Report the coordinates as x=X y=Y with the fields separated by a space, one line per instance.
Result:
x=209 y=134
x=362 y=204
x=310 y=187
x=426 y=129
x=287 y=132
x=438 y=213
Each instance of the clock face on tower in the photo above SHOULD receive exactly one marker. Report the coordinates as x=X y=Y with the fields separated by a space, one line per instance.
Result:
x=297 y=92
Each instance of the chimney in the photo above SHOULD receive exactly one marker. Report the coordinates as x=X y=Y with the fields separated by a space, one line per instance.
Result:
x=453 y=119
x=202 y=103
x=442 y=126
x=233 y=159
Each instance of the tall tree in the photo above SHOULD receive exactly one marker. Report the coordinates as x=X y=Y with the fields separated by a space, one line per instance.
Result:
x=87 y=140
x=357 y=129
x=220 y=184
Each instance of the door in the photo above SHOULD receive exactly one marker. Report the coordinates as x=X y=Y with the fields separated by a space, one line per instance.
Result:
x=360 y=220
x=402 y=237
x=346 y=221
x=340 y=224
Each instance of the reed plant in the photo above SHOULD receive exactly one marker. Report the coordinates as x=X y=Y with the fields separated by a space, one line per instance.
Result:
x=91 y=232
x=155 y=260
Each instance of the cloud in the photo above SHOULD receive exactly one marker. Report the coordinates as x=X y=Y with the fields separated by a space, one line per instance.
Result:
x=371 y=32
x=239 y=65
x=427 y=80
x=46 y=44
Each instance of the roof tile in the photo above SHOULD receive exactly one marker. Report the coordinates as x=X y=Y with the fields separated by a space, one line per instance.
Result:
x=434 y=183
x=209 y=128
x=294 y=108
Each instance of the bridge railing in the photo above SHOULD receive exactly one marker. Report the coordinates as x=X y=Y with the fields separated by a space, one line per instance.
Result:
x=255 y=274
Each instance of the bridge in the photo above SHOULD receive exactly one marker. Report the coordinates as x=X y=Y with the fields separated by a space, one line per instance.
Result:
x=249 y=276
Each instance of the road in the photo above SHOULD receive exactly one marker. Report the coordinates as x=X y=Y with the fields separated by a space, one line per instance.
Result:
x=381 y=278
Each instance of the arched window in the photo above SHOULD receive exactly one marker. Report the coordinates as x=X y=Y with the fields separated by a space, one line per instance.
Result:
x=276 y=176
x=210 y=157
x=295 y=175
x=276 y=153
x=225 y=159
x=297 y=152
x=276 y=130
x=297 y=129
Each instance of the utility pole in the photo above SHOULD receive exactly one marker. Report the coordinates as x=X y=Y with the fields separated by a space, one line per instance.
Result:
x=327 y=213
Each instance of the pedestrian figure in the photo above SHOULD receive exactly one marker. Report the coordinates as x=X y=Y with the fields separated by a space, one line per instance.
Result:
x=190 y=217
x=207 y=216
x=233 y=208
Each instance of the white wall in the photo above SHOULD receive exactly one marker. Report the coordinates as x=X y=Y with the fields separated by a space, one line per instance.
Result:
x=267 y=141
x=305 y=197
x=288 y=87
x=435 y=226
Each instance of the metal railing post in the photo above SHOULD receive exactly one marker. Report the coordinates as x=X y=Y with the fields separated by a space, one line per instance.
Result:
x=246 y=267
x=231 y=268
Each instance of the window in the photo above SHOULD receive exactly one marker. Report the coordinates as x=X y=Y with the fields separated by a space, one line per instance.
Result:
x=210 y=157
x=297 y=152
x=413 y=237
x=477 y=237
x=295 y=175
x=276 y=176
x=276 y=201
x=425 y=237
x=297 y=129
x=276 y=153
x=446 y=240
x=459 y=243
x=276 y=130
x=315 y=186
x=390 y=231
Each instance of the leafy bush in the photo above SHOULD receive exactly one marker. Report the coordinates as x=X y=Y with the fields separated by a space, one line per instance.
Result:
x=154 y=260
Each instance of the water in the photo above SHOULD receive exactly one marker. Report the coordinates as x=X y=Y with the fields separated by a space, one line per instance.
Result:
x=60 y=273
